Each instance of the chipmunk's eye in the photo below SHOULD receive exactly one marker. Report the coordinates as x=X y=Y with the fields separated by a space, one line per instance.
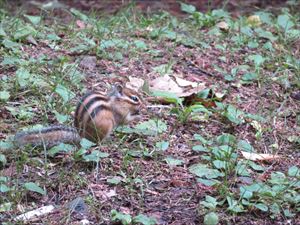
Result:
x=134 y=98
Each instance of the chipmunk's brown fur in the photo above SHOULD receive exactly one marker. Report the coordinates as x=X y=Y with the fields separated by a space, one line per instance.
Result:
x=96 y=116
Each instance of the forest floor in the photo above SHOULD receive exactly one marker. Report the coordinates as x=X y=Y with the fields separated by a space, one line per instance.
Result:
x=186 y=161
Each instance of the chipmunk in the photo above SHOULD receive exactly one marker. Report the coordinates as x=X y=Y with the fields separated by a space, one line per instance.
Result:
x=96 y=116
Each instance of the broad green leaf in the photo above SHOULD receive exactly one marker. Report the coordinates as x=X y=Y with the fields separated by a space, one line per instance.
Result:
x=249 y=77
x=253 y=187
x=269 y=46
x=294 y=171
x=285 y=22
x=202 y=170
x=60 y=148
x=211 y=219
x=61 y=118
x=245 y=193
x=4 y=188
x=293 y=33
x=95 y=156
x=4 y=95
x=79 y=14
x=187 y=8
x=11 y=60
x=226 y=139
x=114 y=180
x=162 y=145
x=30 y=186
x=35 y=20
x=10 y=44
x=145 y=220
x=265 y=17
x=86 y=144
x=275 y=209
x=171 y=35
x=23 y=76
x=210 y=202
x=247 y=31
x=245 y=146
x=65 y=93
x=200 y=138
x=5 y=145
x=3 y=179
x=288 y=213
x=113 y=43
x=234 y=115
x=234 y=206
x=219 y=13
x=278 y=178
x=219 y=164
x=199 y=148
x=52 y=37
x=153 y=126
x=242 y=169
x=6 y=207
x=265 y=34
x=140 y=44
x=262 y=207
x=255 y=166
x=257 y=59
x=207 y=182
x=169 y=97
x=24 y=32
x=174 y=162
x=2 y=32
x=125 y=219
x=163 y=69
x=253 y=44
x=3 y=160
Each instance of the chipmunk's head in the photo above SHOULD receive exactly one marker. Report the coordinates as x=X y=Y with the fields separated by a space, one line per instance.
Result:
x=127 y=102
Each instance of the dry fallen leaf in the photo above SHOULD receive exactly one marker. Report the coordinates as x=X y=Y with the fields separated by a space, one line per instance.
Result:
x=135 y=83
x=165 y=83
x=185 y=83
x=35 y=213
x=105 y=194
x=223 y=26
x=254 y=20
x=259 y=157
x=80 y=24
x=178 y=86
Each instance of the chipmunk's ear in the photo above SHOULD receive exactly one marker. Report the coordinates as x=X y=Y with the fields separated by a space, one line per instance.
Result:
x=116 y=90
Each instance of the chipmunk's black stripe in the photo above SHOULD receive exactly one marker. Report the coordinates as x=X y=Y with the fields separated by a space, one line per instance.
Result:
x=96 y=110
x=57 y=128
x=76 y=121
x=87 y=106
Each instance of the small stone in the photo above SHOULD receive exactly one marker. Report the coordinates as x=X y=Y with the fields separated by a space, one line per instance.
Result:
x=296 y=96
x=88 y=62
x=78 y=205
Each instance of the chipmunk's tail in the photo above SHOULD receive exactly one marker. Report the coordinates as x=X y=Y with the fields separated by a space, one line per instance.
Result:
x=48 y=136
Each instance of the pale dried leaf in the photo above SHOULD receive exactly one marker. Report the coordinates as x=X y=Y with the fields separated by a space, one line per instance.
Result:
x=254 y=20
x=259 y=157
x=135 y=83
x=185 y=83
x=80 y=24
x=165 y=83
x=35 y=213
x=195 y=90
x=223 y=25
